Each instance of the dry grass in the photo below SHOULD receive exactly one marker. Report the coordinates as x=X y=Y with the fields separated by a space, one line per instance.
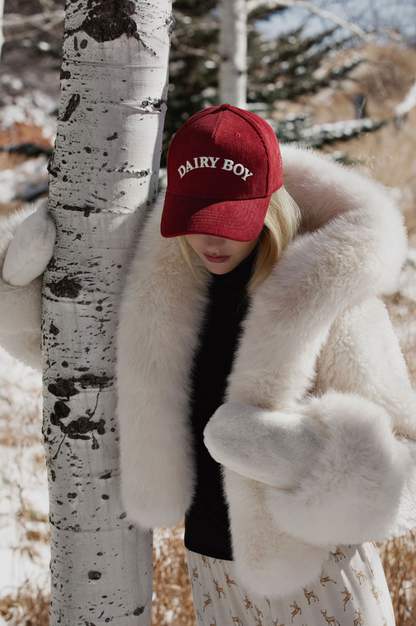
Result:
x=172 y=594
x=399 y=562
x=29 y=607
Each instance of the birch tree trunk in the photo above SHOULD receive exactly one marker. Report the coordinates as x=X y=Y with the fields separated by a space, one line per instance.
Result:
x=233 y=52
x=103 y=176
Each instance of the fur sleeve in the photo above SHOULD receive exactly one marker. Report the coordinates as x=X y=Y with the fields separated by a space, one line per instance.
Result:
x=340 y=467
x=20 y=306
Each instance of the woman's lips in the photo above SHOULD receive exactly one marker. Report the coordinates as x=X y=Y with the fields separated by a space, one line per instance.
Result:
x=216 y=259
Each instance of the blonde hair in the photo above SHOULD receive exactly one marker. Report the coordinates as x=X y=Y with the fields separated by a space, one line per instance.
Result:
x=280 y=226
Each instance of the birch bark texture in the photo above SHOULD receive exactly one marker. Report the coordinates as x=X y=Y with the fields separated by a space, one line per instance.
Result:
x=233 y=53
x=103 y=177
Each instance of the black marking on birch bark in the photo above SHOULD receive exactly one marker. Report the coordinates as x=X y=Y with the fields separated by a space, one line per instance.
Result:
x=63 y=388
x=153 y=104
x=141 y=174
x=65 y=288
x=112 y=137
x=61 y=409
x=65 y=75
x=86 y=210
x=71 y=107
x=139 y=610
x=78 y=429
x=93 y=195
x=52 y=265
x=54 y=330
x=170 y=23
x=109 y=19
x=105 y=476
x=52 y=168
x=72 y=496
x=83 y=44
x=92 y=380
x=94 y=575
x=75 y=529
x=123 y=515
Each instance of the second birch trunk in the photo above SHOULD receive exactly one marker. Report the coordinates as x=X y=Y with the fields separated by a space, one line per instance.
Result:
x=233 y=52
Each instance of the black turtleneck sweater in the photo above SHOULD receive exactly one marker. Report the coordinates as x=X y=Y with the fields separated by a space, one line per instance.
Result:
x=206 y=523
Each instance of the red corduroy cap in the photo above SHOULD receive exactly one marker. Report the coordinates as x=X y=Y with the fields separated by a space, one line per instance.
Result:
x=223 y=165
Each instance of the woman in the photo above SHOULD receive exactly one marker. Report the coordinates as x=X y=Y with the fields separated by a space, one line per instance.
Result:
x=285 y=344
x=261 y=388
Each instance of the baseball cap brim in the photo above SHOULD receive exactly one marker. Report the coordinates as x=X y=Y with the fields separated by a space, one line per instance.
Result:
x=239 y=220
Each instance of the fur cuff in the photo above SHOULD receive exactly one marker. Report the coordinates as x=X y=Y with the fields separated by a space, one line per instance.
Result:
x=20 y=306
x=338 y=469
x=275 y=448
x=352 y=491
x=31 y=248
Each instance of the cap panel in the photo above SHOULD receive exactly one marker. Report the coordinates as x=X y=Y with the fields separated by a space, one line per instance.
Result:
x=217 y=158
x=240 y=220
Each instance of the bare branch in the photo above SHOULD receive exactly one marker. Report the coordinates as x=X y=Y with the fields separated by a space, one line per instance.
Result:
x=305 y=4
x=13 y=20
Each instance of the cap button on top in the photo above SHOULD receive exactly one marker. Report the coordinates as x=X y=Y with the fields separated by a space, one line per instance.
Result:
x=225 y=106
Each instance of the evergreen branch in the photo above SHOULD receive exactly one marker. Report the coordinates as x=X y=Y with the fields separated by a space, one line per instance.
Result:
x=14 y=20
x=253 y=5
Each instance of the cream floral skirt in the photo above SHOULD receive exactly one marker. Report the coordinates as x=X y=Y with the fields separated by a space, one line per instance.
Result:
x=351 y=591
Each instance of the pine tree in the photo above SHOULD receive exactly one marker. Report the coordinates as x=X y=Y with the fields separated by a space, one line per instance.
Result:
x=284 y=68
x=281 y=69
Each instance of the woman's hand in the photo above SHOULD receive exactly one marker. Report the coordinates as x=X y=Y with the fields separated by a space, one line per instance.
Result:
x=31 y=248
x=275 y=448
x=339 y=470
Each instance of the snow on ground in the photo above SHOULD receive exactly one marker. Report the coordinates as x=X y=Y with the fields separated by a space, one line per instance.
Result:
x=14 y=182
x=33 y=108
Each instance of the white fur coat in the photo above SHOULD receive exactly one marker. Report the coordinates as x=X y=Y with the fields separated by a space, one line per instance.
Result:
x=318 y=434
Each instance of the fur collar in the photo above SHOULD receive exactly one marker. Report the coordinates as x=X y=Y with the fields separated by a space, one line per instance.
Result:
x=352 y=247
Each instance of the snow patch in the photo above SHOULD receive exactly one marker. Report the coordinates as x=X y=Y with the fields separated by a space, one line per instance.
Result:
x=15 y=182
x=33 y=108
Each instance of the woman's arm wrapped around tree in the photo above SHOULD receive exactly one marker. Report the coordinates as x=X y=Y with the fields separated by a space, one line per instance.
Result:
x=27 y=239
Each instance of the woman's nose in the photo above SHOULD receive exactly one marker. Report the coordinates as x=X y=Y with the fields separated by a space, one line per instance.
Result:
x=213 y=242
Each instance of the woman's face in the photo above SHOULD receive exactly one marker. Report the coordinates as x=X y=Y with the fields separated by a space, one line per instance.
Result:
x=219 y=255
